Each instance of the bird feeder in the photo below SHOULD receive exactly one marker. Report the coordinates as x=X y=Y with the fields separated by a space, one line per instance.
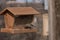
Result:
x=16 y=19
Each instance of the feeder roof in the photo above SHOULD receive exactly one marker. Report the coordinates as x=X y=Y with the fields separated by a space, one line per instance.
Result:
x=20 y=11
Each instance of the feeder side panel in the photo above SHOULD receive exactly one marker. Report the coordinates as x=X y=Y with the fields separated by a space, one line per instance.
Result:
x=6 y=22
x=9 y=20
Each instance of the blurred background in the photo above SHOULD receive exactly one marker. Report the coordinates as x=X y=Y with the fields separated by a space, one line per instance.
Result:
x=42 y=19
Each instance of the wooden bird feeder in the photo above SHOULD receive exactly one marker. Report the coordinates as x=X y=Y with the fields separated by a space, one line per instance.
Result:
x=16 y=18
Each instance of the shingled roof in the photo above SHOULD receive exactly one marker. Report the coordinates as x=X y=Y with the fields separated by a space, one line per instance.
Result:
x=21 y=11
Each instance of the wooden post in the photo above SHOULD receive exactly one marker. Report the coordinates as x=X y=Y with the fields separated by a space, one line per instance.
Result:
x=45 y=25
x=52 y=19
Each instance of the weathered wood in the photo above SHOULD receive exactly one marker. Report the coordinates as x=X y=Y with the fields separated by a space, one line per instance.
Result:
x=52 y=19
